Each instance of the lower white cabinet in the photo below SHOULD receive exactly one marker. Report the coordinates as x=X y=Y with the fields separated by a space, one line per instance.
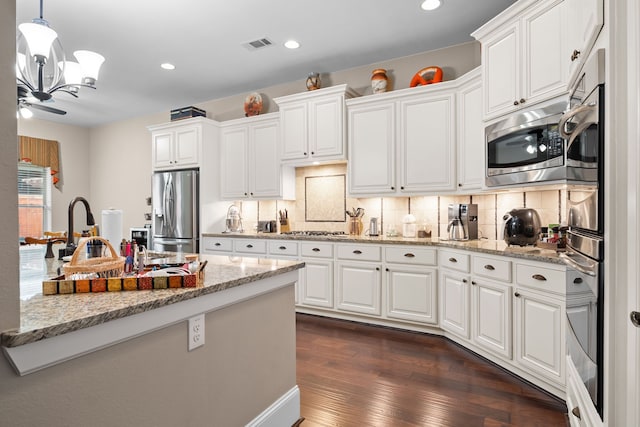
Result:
x=540 y=333
x=316 y=283
x=412 y=293
x=358 y=286
x=454 y=303
x=491 y=311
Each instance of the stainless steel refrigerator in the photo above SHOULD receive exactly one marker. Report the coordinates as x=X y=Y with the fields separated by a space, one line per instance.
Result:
x=175 y=211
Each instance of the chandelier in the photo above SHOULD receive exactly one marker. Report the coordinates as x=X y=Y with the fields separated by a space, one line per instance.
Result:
x=42 y=69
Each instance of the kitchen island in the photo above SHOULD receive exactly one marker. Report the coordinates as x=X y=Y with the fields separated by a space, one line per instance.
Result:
x=126 y=357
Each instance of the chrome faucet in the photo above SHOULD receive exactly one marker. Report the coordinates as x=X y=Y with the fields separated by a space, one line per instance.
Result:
x=90 y=220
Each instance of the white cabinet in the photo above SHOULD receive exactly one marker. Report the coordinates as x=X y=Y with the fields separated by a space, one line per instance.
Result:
x=358 y=287
x=316 y=279
x=523 y=56
x=411 y=293
x=491 y=302
x=585 y=20
x=454 y=303
x=249 y=161
x=403 y=142
x=217 y=245
x=178 y=145
x=470 y=133
x=313 y=125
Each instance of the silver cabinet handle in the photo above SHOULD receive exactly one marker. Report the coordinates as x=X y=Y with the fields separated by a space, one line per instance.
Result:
x=409 y=255
x=489 y=267
x=539 y=277
x=452 y=259
x=635 y=318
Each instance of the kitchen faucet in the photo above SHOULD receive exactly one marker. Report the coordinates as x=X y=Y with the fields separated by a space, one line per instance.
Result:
x=90 y=221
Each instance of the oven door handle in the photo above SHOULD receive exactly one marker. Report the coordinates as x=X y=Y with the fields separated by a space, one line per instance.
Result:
x=570 y=115
x=573 y=264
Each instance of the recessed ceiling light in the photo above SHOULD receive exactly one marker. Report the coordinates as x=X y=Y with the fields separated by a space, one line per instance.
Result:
x=431 y=4
x=168 y=66
x=291 y=44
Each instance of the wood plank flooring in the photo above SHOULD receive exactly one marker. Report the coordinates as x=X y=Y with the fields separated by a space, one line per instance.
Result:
x=351 y=374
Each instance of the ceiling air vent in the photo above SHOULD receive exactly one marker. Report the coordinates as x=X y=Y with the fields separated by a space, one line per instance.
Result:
x=258 y=44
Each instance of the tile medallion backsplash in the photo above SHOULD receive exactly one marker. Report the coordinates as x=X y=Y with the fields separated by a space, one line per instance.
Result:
x=321 y=200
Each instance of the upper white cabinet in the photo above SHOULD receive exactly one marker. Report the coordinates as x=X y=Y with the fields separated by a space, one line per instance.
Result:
x=402 y=142
x=585 y=20
x=523 y=55
x=249 y=160
x=178 y=145
x=470 y=132
x=313 y=125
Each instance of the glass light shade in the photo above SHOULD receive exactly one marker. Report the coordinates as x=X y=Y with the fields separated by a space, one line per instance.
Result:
x=25 y=113
x=90 y=63
x=39 y=38
x=431 y=4
x=72 y=72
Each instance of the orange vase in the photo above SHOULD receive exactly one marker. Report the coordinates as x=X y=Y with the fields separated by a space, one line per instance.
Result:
x=379 y=80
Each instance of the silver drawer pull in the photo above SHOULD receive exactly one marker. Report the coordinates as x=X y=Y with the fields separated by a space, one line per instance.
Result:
x=489 y=267
x=357 y=252
x=409 y=255
x=539 y=277
x=452 y=259
x=282 y=248
x=249 y=246
x=315 y=250
x=217 y=244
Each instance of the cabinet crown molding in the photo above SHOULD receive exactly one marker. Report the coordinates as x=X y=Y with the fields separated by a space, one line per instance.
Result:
x=332 y=90
x=510 y=14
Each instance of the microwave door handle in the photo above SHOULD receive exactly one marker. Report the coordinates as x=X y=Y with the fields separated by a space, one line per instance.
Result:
x=570 y=115
x=576 y=132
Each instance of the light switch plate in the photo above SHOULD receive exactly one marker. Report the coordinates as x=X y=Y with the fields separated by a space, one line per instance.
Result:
x=196 y=332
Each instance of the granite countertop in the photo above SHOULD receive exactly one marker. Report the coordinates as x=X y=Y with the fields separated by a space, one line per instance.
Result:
x=47 y=316
x=492 y=247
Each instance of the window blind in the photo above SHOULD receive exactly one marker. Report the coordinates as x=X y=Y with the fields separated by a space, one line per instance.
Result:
x=34 y=200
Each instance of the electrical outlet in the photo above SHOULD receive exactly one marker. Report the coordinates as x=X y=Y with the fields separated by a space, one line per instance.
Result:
x=196 y=332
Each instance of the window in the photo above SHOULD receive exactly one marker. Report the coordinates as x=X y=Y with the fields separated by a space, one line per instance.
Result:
x=34 y=200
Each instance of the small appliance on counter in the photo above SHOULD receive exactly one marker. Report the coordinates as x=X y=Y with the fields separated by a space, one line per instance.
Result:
x=522 y=227
x=373 y=227
x=463 y=221
x=234 y=220
x=267 y=227
x=409 y=226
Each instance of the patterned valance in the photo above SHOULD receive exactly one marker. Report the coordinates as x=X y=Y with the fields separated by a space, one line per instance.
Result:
x=41 y=152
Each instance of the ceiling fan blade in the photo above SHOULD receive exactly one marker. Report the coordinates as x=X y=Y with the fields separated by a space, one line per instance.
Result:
x=45 y=108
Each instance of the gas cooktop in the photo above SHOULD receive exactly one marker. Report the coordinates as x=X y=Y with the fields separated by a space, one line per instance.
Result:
x=314 y=233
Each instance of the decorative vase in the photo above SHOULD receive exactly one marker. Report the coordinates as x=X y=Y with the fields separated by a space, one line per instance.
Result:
x=252 y=104
x=313 y=81
x=379 y=80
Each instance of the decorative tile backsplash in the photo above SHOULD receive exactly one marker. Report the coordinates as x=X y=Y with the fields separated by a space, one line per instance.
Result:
x=430 y=211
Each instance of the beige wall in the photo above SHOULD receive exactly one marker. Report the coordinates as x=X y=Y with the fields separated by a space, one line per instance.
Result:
x=246 y=364
x=9 y=291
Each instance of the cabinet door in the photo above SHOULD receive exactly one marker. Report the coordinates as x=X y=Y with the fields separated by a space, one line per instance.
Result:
x=316 y=283
x=162 y=149
x=540 y=334
x=470 y=137
x=492 y=316
x=187 y=147
x=545 y=67
x=454 y=304
x=411 y=294
x=371 y=149
x=264 y=163
x=326 y=128
x=293 y=119
x=501 y=58
x=358 y=287
x=427 y=161
x=233 y=163
x=584 y=22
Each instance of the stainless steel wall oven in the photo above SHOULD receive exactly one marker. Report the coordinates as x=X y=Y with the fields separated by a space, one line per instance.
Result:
x=583 y=124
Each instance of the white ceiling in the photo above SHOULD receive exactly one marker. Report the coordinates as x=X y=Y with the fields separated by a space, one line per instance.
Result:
x=204 y=39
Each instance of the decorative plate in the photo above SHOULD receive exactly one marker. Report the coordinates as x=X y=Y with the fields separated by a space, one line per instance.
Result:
x=427 y=76
x=253 y=104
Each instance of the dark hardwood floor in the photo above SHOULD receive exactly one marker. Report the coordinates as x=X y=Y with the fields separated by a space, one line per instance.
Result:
x=351 y=374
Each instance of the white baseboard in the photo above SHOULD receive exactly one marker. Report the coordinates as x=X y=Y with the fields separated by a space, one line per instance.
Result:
x=283 y=412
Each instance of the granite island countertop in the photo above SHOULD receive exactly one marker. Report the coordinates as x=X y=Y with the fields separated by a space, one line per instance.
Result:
x=491 y=247
x=53 y=315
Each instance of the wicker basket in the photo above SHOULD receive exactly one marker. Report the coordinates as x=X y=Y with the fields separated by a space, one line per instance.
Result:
x=106 y=266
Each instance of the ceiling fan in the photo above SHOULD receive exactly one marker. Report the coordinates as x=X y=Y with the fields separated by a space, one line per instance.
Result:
x=24 y=102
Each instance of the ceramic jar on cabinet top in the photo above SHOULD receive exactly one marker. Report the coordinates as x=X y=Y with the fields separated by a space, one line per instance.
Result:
x=379 y=80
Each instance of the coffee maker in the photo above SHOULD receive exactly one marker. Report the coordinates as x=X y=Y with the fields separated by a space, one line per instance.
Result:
x=463 y=221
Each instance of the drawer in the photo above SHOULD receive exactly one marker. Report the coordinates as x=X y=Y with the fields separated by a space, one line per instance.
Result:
x=411 y=255
x=453 y=260
x=213 y=244
x=542 y=277
x=492 y=268
x=316 y=249
x=250 y=246
x=279 y=247
x=359 y=252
